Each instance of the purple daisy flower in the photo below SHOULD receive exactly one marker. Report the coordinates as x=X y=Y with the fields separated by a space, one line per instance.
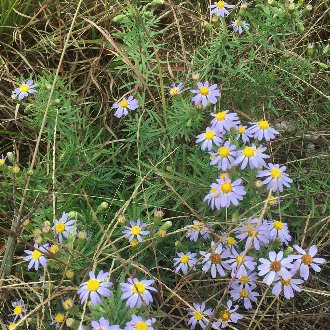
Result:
x=135 y=230
x=3 y=160
x=288 y=286
x=103 y=324
x=276 y=177
x=184 y=262
x=24 y=89
x=63 y=226
x=224 y=157
x=219 y=8
x=208 y=138
x=262 y=130
x=230 y=192
x=279 y=230
x=137 y=292
x=214 y=260
x=257 y=233
x=124 y=105
x=253 y=156
x=198 y=228
x=19 y=309
x=96 y=287
x=247 y=281
x=58 y=319
x=306 y=260
x=213 y=197
x=224 y=120
x=227 y=316
x=175 y=89
x=137 y=323
x=240 y=264
x=238 y=26
x=243 y=133
x=246 y=295
x=275 y=266
x=205 y=93
x=36 y=256
x=198 y=314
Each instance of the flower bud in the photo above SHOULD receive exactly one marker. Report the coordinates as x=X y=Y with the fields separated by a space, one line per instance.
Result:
x=206 y=26
x=15 y=169
x=166 y=225
x=158 y=213
x=155 y=3
x=121 y=219
x=134 y=242
x=67 y=303
x=243 y=8
x=70 y=322
x=310 y=50
x=168 y=168
x=54 y=248
x=69 y=274
x=103 y=206
x=82 y=234
x=46 y=227
x=29 y=172
x=26 y=222
x=48 y=86
x=195 y=76
x=37 y=239
x=288 y=251
x=291 y=7
x=307 y=10
x=72 y=215
x=36 y=232
x=162 y=233
x=258 y=184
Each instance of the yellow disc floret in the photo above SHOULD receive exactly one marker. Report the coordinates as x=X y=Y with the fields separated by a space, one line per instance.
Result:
x=275 y=173
x=136 y=230
x=215 y=258
x=18 y=310
x=231 y=240
x=220 y=116
x=209 y=135
x=220 y=4
x=123 y=103
x=138 y=287
x=59 y=318
x=184 y=259
x=263 y=124
x=197 y=226
x=306 y=259
x=241 y=130
x=36 y=254
x=223 y=152
x=93 y=284
x=224 y=316
x=227 y=187
x=24 y=88
x=244 y=279
x=244 y=293
x=278 y=225
x=248 y=152
x=60 y=227
x=286 y=282
x=67 y=304
x=198 y=315
x=204 y=91
x=239 y=259
x=174 y=91
x=141 y=326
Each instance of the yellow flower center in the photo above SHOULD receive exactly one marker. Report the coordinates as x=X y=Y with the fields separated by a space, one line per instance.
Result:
x=93 y=284
x=241 y=130
x=138 y=287
x=238 y=23
x=231 y=240
x=224 y=316
x=244 y=293
x=69 y=274
x=220 y=116
x=16 y=169
x=68 y=304
x=244 y=279
x=252 y=232
x=24 y=88
x=174 y=91
x=223 y=152
x=278 y=225
x=272 y=200
x=204 y=91
x=215 y=258
x=198 y=226
x=100 y=328
x=306 y=259
x=198 y=315
x=209 y=135
x=54 y=248
x=263 y=124
x=286 y=282
x=18 y=310
x=2 y=162
x=184 y=259
x=36 y=254
x=60 y=227
x=224 y=175
x=141 y=326
x=275 y=173
x=220 y=4
x=59 y=318
x=227 y=187
x=275 y=265
x=248 y=151
x=136 y=230
x=239 y=259
x=134 y=242
x=11 y=326
x=123 y=103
